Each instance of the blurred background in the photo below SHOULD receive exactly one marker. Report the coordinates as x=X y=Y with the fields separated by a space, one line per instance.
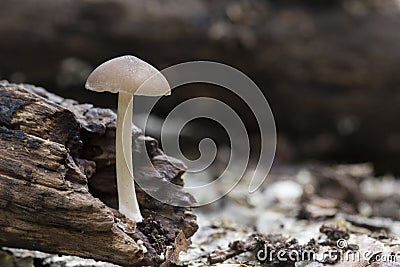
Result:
x=329 y=69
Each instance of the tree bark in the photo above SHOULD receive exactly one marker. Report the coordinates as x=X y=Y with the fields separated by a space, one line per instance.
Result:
x=58 y=185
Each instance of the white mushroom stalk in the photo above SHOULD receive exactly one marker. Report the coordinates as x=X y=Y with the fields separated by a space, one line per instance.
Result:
x=127 y=200
x=128 y=76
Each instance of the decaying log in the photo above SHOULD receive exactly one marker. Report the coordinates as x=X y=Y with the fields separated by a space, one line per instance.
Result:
x=58 y=185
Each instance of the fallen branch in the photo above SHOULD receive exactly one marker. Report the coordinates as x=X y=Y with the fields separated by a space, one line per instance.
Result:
x=57 y=182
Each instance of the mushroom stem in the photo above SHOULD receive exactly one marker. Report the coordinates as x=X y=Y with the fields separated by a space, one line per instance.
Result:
x=128 y=204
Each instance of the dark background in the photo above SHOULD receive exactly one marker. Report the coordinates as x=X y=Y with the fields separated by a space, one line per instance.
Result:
x=329 y=69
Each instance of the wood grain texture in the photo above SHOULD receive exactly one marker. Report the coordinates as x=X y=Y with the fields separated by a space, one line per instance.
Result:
x=58 y=185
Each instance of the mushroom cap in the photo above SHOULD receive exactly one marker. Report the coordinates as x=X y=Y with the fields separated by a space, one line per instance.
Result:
x=128 y=74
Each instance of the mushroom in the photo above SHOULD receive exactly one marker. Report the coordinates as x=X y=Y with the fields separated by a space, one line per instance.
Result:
x=127 y=76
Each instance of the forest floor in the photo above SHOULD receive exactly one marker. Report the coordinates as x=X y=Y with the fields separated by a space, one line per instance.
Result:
x=312 y=215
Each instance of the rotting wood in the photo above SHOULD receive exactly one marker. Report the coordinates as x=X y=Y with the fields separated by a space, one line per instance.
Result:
x=58 y=186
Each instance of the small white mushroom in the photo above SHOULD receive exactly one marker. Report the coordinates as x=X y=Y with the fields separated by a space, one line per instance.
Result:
x=128 y=76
